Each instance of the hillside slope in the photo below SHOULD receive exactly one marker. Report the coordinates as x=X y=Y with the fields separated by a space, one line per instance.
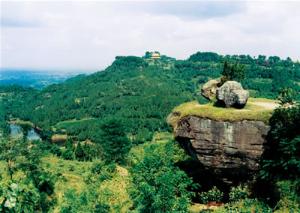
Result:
x=141 y=94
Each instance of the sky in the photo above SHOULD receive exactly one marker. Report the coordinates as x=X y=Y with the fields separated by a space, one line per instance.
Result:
x=87 y=35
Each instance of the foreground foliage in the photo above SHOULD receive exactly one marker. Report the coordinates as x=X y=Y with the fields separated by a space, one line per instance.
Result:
x=159 y=186
x=26 y=186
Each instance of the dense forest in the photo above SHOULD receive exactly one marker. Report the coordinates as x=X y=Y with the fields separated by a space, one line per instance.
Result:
x=108 y=131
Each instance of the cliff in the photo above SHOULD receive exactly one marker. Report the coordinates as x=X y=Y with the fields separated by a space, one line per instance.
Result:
x=224 y=140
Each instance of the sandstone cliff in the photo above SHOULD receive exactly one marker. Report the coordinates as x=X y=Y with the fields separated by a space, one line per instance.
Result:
x=221 y=144
x=228 y=142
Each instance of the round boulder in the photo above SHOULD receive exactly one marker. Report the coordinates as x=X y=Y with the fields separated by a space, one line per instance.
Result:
x=209 y=89
x=232 y=94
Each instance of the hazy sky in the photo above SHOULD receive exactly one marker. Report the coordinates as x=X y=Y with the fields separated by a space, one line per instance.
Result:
x=84 y=35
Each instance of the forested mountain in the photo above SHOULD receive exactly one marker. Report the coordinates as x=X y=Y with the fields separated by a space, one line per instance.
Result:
x=141 y=91
x=106 y=145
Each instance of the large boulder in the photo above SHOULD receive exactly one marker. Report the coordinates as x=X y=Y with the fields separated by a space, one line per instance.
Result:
x=209 y=89
x=231 y=93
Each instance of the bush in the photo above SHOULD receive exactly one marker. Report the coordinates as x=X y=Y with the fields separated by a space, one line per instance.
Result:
x=104 y=172
x=289 y=196
x=97 y=167
x=282 y=158
x=107 y=172
x=68 y=155
x=86 y=201
x=212 y=195
x=159 y=186
x=54 y=149
x=245 y=206
x=238 y=193
x=287 y=96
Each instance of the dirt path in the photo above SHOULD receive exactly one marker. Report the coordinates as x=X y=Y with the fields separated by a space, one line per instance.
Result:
x=267 y=105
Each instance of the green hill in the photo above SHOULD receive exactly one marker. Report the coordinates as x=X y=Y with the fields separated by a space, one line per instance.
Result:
x=120 y=156
x=141 y=92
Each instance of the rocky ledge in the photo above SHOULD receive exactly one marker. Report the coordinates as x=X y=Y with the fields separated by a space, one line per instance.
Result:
x=223 y=142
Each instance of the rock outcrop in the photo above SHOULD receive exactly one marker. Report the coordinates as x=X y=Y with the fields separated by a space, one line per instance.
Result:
x=233 y=148
x=231 y=93
x=209 y=89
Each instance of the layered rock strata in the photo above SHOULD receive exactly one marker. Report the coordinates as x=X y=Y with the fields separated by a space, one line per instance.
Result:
x=223 y=145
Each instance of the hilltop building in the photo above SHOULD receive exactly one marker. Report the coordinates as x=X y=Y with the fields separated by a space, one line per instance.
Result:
x=152 y=55
x=155 y=55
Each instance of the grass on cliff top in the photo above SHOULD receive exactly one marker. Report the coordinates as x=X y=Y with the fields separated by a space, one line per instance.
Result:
x=257 y=109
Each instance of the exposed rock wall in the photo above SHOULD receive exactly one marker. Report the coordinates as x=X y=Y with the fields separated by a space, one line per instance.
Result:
x=223 y=145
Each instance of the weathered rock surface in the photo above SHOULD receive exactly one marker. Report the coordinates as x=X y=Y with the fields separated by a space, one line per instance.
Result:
x=231 y=93
x=221 y=145
x=209 y=89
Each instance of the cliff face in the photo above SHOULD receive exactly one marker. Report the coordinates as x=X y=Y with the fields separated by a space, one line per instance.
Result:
x=223 y=145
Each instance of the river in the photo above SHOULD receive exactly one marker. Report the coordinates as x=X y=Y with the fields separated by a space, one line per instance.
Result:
x=16 y=132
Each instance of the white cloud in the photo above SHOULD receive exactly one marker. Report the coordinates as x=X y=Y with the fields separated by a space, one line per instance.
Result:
x=88 y=35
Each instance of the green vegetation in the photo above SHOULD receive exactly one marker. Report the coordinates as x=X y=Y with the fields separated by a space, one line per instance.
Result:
x=25 y=185
x=238 y=193
x=232 y=72
x=114 y=142
x=287 y=96
x=256 y=109
x=107 y=147
x=141 y=94
x=282 y=159
x=213 y=195
x=159 y=186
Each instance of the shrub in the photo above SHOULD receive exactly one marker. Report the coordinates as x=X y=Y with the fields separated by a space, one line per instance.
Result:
x=104 y=172
x=238 y=193
x=68 y=155
x=107 y=172
x=86 y=201
x=286 y=96
x=245 y=206
x=282 y=158
x=159 y=186
x=289 y=196
x=54 y=149
x=212 y=195
x=97 y=167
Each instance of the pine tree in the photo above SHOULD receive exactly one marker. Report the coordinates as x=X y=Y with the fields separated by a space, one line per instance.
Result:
x=114 y=141
x=79 y=152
